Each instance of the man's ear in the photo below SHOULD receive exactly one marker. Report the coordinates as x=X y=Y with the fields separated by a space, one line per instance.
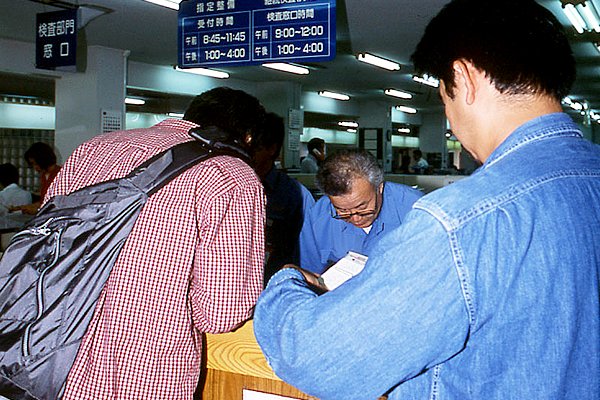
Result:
x=465 y=79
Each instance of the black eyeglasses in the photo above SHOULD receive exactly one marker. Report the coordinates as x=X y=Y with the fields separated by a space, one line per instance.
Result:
x=361 y=213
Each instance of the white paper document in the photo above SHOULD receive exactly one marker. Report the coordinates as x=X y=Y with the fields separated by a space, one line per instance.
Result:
x=350 y=265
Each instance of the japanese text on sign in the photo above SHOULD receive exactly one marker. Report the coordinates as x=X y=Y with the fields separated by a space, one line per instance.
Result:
x=255 y=31
x=56 y=39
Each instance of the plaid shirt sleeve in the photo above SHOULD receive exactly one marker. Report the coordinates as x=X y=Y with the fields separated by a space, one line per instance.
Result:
x=225 y=280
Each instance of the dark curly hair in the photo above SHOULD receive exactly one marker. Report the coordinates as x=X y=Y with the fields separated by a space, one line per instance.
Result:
x=9 y=174
x=42 y=153
x=519 y=44
x=231 y=110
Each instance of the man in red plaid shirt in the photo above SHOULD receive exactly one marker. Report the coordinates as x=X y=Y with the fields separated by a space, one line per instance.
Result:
x=192 y=264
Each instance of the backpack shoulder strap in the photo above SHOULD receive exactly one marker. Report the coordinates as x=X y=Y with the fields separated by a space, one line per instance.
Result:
x=159 y=170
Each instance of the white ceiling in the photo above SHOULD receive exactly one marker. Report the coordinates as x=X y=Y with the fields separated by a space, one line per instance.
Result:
x=390 y=28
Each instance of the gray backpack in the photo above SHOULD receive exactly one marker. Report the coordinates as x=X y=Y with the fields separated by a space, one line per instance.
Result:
x=53 y=271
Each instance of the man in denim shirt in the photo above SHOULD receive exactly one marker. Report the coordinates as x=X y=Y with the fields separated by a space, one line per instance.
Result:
x=489 y=290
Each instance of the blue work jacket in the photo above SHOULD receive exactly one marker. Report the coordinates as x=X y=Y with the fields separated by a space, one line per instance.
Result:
x=324 y=239
x=489 y=290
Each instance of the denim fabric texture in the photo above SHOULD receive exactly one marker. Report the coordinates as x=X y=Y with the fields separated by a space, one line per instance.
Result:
x=489 y=290
x=324 y=240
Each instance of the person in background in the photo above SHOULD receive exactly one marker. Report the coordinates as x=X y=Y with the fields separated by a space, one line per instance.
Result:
x=11 y=194
x=358 y=209
x=41 y=157
x=420 y=165
x=404 y=167
x=316 y=154
x=193 y=262
x=287 y=199
x=490 y=288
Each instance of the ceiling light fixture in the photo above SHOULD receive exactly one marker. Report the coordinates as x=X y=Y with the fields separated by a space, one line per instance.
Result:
x=175 y=115
x=348 y=124
x=204 y=72
x=398 y=93
x=172 y=4
x=408 y=110
x=285 y=67
x=351 y=130
x=583 y=16
x=575 y=105
x=427 y=80
x=333 y=95
x=378 y=61
x=403 y=130
x=134 y=101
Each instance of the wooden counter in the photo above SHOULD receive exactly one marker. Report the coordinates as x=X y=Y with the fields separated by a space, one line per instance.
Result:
x=235 y=362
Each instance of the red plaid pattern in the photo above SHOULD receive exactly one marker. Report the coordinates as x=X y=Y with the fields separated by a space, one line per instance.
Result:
x=192 y=264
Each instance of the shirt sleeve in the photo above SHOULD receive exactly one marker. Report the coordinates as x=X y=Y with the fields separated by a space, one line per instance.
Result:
x=403 y=314
x=310 y=254
x=228 y=270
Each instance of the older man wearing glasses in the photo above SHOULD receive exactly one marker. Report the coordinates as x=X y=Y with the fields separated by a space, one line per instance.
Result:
x=357 y=210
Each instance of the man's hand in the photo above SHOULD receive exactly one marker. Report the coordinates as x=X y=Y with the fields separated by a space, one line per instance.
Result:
x=313 y=279
x=30 y=209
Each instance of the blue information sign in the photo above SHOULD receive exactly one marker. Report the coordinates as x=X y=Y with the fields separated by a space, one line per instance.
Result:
x=56 y=39
x=248 y=32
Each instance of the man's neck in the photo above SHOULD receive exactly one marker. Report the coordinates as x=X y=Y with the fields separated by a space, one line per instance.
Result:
x=506 y=115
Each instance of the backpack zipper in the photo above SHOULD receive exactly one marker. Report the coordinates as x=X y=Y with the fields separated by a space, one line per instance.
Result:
x=42 y=230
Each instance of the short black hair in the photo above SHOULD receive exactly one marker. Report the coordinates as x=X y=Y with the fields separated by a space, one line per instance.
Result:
x=519 y=44
x=272 y=133
x=234 y=111
x=42 y=153
x=315 y=143
x=9 y=174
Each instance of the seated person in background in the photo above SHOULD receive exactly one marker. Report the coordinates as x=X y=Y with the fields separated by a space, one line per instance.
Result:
x=357 y=210
x=41 y=157
x=11 y=194
x=316 y=155
x=420 y=165
x=287 y=199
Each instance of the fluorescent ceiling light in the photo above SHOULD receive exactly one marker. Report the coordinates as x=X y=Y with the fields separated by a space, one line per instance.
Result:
x=205 y=72
x=398 y=93
x=348 y=124
x=576 y=106
x=333 y=95
x=175 y=115
x=285 y=67
x=378 y=61
x=173 y=4
x=403 y=130
x=427 y=80
x=408 y=110
x=587 y=11
x=136 y=102
x=576 y=20
x=351 y=130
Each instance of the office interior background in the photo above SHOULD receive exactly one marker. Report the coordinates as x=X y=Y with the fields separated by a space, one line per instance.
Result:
x=125 y=77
